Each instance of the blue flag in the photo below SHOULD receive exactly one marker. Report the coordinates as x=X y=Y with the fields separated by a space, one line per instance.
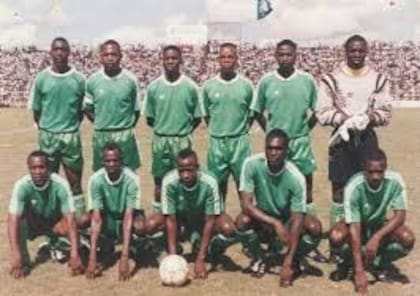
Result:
x=263 y=9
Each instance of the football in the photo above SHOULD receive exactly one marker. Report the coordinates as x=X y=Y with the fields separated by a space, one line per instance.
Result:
x=173 y=270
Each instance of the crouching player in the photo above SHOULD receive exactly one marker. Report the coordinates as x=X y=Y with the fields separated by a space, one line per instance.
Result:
x=273 y=199
x=41 y=204
x=190 y=202
x=369 y=237
x=114 y=202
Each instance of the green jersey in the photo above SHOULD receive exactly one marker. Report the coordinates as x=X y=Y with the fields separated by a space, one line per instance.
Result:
x=113 y=100
x=58 y=98
x=366 y=205
x=50 y=201
x=202 y=199
x=227 y=103
x=286 y=101
x=114 y=197
x=276 y=194
x=173 y=106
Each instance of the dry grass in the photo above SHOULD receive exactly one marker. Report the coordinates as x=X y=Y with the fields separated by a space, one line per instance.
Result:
x=401 y=140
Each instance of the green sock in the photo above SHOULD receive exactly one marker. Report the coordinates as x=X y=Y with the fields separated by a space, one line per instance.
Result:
x=219 y=244
x=158 y=240
x=79 y=204
x=251 y=243
x=336 y=213
x=343 y=253
x=307 y=244
x=391 y=252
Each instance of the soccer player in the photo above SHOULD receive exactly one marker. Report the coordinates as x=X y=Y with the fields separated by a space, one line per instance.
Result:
x=353 y=99
x=56 y=101
x=114 y=202
x=191 y=201
x=227 y=98
x=273 y=200
x=288 y=96
x=172 y=108
x=112 y=104
x=368 y=196
x=41 y=204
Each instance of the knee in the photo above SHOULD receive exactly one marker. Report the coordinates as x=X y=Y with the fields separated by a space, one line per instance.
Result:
x=139 y=226
x=151 y=225
x=242 y=222
x=337 y=237
x=314 y=228
x=83 y=221
x=227 y=229
x=407 y=239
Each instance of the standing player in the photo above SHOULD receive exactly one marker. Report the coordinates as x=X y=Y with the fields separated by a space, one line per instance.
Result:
x=273 y=199
x=367 y=198
x=353 y=99
x=56 y=101
x=191 y=200
x=41 y=204
x=288 y=95
x=112 y=104
x=114 y=202
x=172 y=109
x=227 y=98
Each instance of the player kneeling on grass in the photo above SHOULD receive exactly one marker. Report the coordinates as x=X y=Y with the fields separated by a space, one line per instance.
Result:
x=41 y=204
x=190 y=198
x=369 y=237
x=273 y=199
x=114 y=202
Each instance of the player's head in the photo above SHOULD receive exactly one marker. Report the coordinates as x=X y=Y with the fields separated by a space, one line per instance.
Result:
x=187 y=165
x=375 y=165
x=228 y=57
x=172 y=59
x=111 y=159
x=276 y=143
x=60 y=51
x=286 y=54
x=38 y=163
x=110 y=55
x=356 y=49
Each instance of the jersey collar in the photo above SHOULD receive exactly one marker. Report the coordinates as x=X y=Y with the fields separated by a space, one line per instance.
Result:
x=109 y=77
x=294 y=74
x=190 y=189
x=116 y=182
x=274 y=174
x=176 y=82
x=354 y=73
x=219 y=78
x=69 y=72
x=43 y=187
x=371 y=190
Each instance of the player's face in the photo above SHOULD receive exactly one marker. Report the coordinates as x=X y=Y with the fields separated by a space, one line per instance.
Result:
x=110 y=57
x=285 y=56
x=275 y=152
x=171 y=61
x=356 y=53
x=111 y=160
x=38 y=169
x=60 y=52
x=188 y=171
x=375 y=173
x=228 y=58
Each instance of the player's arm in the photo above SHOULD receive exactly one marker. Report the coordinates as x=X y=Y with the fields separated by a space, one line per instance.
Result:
x=200 y=265
x=393 y=223
x=312 y=121
x=380 y=107
x=88 y=104
x=359 y=277
x=75 y=263
x=171 y=233
x=95 y=230
x=124 y=272
x=17 y=270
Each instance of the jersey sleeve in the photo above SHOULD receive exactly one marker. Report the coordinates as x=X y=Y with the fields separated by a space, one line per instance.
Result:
x=198 y=106
x=148 y=109
x=35 y=97
x=325 y=110
x=95 y=198
x=17 y=201
x=352 y=211
x=313 y=95
x=205 y=100
x=136 y=91
x=88 y=104
x=214 y=205
x=133 y=200
x=380 y=102
x=399 y=198
x=298 y=196
x=258 y=102
x=168 y=198
x=247 y=183
x=66 y=200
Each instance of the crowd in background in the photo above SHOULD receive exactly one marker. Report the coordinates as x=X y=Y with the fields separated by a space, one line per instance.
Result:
x=400 y=62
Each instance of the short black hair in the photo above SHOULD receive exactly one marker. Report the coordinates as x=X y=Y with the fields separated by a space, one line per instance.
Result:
x=354 y=38
x=228 y=44
x=187 y=152
x=112 y=146
x=110 y=42
x=61 y=39
x=172 y=47
x=286 y=42
x=38 y=153
x=277 y=133
x=375 y=155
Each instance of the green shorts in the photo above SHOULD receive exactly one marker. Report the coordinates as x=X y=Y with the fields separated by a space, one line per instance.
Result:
x=62 y=147
x=300 y=153
x=190 y=228
x=112 y=228
x=164 y=153
x=127 y=142
x=227 y=155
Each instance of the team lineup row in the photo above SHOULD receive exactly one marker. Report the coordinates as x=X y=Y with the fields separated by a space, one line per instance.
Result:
x=276 y=194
